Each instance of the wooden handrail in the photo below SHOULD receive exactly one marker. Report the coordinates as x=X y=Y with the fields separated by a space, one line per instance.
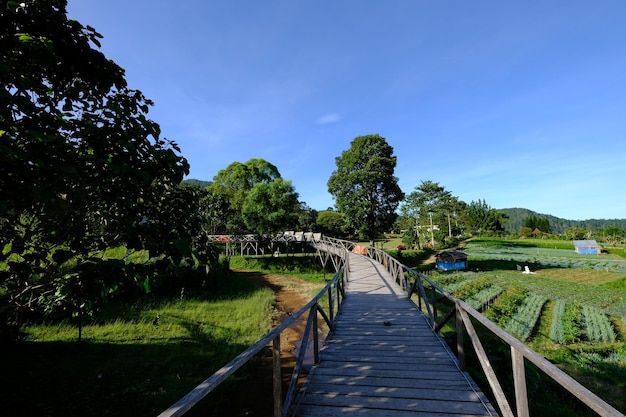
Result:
x=336 y=292
x=519 y=351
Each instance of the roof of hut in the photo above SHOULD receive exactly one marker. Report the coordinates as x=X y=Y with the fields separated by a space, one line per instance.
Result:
x=453 y=254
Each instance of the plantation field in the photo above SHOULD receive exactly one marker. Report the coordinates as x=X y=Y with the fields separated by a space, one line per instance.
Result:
x=543 y=253
x=574 y=315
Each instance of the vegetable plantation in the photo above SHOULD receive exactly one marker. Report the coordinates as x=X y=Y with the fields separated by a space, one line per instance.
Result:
x=545 y=257
x=571 y=308
x=525 y=319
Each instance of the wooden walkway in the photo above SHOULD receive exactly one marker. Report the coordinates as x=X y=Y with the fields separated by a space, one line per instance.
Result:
x=383 y=359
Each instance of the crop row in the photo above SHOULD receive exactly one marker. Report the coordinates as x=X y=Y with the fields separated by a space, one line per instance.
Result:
x=566 y=326
x=547 y=257
x=525 y=319
x=613 y=266
x=598 y=327
x=483 y=297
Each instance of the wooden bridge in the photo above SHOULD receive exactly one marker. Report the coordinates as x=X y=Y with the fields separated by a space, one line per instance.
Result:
x=383 y=357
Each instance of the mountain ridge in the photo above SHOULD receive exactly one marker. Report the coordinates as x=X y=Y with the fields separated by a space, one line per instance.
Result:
x=559 y=225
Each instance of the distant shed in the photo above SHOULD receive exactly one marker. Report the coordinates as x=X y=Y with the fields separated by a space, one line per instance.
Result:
x=451 y=261
x=589 y=247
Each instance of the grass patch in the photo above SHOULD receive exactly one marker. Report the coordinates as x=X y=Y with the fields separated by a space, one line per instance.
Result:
x=130 y=364
x=525 y=243
x=307 y=267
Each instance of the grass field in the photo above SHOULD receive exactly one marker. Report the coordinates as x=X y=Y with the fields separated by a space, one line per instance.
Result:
x=138 y=359
x=129 y=363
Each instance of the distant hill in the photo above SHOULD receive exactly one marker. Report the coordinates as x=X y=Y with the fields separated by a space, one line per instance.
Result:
x=559 y=225
x=197 y=183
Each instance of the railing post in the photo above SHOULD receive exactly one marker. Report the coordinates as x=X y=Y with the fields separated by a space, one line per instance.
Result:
x=277 y=377
x=331 y=303
x=434 y=304
x=460 y=345
x=492 y=379
x=419 y=293
x=519 y=382
x=316 y=339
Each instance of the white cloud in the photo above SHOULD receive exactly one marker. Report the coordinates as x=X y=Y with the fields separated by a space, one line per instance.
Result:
x=328 y=118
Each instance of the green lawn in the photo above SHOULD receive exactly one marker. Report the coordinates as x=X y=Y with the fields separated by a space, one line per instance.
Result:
x=128 y=364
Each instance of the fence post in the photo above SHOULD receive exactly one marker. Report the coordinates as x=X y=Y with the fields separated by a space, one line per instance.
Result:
x=419 y=293
x=316 y=339
x=434 y=304
x=331 y=303
x=519 y=382
x=277 y=377
x=460 y=345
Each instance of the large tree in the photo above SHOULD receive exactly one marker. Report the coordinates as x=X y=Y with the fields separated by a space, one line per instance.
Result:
x=233 y=183
x=364 y=186
x=271 y=207
x=78 y=155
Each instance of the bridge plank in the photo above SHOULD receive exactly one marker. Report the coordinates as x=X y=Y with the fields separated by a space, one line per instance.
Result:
x=383 y=359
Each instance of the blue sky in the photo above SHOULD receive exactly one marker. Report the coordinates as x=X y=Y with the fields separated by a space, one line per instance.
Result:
x=522 y=104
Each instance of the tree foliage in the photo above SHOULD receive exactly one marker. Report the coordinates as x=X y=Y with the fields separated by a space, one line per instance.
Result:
x=364 y=186
x=426 y=202
x=482 y=219
x=536 y=222
x=74 y=138
x=271 y=207
x=233 y=183
x=81 y=165
x=331 y=223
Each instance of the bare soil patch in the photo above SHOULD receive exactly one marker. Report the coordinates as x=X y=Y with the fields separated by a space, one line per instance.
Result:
x=254 y=396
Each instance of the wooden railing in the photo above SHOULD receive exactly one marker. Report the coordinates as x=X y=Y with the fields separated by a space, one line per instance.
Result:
x=413 y=282
x=335 y=289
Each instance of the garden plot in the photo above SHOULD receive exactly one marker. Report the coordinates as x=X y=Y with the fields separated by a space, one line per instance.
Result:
x=546 y=257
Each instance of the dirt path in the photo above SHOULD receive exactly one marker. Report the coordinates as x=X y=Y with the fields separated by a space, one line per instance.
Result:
x=291 y=295
x=255 y=396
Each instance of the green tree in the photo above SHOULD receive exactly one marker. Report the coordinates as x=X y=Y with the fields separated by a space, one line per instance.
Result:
x=525 y=232
x=612 y=234
x=233 y=184
x=427 y=201
x=307 y=219
x=482 y=219
x=535 y=222
x=331 y=223
x=78 y=155
x=271 y=207
x=364 y=186
x=217 y=210
x=576 y=233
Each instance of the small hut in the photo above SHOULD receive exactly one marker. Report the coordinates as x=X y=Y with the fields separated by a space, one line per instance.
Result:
x=589 y=247
x=451 y=261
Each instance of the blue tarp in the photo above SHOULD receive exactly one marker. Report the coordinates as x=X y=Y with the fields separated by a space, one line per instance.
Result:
x=451 y=266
